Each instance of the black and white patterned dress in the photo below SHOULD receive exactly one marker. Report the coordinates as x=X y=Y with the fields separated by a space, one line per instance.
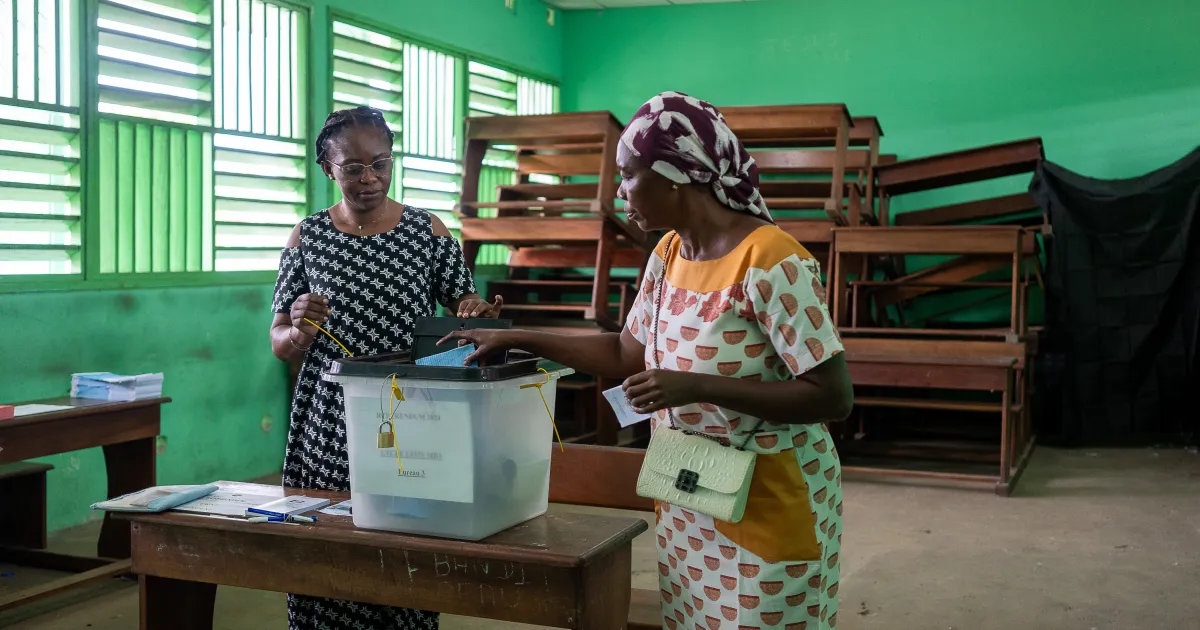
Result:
x=377 y=288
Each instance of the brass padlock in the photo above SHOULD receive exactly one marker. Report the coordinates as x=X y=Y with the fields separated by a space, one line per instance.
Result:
x=388 y=439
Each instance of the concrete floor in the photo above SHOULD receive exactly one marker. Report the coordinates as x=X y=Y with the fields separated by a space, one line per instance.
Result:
x=1092 y=540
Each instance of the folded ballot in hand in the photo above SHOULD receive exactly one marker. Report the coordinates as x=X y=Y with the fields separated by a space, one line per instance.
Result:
x=450 y=358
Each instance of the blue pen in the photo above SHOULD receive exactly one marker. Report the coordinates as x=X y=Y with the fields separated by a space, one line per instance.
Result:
x=280 y=516
x=265 y=519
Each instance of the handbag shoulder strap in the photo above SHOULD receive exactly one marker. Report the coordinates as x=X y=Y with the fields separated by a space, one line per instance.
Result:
x=662 y=282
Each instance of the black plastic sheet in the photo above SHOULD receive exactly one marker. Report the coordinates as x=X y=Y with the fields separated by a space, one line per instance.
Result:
x=1122 y=306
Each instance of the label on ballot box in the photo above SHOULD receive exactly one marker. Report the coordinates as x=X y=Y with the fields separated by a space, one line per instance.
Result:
x=436 y=458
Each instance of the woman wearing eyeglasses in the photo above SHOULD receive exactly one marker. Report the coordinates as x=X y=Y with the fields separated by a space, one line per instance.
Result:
x=364 y=270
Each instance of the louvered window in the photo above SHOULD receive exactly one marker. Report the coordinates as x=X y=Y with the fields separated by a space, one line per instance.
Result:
x=416 y=88
x=494 y=91
x=40 y=206
x=202 y=134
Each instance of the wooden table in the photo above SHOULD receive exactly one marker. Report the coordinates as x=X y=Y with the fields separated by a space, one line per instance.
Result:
x=127 y=432
x=562 y=570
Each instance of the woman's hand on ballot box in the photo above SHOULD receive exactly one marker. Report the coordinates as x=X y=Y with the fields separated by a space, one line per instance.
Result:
x=487 y=342
x=475 y=306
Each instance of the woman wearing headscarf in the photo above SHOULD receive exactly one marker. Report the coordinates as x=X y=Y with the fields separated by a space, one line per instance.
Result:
x=729 y=336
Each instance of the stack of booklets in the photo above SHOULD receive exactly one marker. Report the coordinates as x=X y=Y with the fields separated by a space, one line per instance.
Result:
x=116 y=387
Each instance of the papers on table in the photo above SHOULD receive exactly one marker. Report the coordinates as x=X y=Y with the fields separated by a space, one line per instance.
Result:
x=116 y=387
x=232 y=499
x=156 y=499
x=29 y=410
x=341 y=509
x=223 y=499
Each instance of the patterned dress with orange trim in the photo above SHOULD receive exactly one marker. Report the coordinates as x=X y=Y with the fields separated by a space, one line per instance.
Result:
x=757 y=313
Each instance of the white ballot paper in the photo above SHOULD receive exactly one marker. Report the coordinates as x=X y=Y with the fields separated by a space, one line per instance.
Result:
x=626 y=416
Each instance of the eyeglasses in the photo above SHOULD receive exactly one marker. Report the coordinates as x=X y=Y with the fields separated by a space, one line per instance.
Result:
x=379 y=167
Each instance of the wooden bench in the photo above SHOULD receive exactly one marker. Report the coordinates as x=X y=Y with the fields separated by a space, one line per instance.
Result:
x=964 y=167
x=962 y=366
x=23 y=492
x=778 y=126
x=605 y=477
x=805 y=152
x=757 y=131
x=1005 y=246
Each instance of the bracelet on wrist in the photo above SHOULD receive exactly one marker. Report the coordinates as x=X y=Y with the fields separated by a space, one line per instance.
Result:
x=293 y=341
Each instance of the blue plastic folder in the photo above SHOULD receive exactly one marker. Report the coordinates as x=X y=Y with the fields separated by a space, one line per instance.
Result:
x=450 y=358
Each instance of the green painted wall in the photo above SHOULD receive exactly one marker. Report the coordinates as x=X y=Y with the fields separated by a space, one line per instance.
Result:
x=1112 y=87
x=229 y=415
x=228 y=419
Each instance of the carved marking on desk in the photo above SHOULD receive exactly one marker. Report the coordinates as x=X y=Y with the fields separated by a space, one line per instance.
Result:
x=438 y=564
x=189 y=551
x=381 y=567
x=409 y=566
x=504 y=598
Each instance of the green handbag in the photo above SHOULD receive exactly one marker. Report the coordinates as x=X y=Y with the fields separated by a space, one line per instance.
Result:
x=694 y=471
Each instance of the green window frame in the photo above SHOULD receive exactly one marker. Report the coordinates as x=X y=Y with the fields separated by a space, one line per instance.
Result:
x=166 y=143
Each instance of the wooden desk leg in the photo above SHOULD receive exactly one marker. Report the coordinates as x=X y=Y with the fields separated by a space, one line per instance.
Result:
x=130 y=467
x=605 y=591
x=168 y=604
x=1006 y=439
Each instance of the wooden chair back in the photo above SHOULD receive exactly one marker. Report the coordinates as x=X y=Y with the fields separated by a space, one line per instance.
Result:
x=597 y=476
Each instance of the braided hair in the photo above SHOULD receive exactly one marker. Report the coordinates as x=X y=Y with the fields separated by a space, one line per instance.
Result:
x=342 y=119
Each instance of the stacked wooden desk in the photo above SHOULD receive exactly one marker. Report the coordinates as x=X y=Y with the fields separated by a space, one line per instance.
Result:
x=907 y=352
x=565 y=236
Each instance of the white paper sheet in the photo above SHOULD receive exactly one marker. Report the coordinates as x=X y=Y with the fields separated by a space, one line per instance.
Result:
x=341 y=509
x=232 y=499
x=29 y=410
x=626 y=416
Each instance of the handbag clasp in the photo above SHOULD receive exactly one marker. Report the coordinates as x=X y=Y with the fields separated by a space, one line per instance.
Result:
x=686 y=481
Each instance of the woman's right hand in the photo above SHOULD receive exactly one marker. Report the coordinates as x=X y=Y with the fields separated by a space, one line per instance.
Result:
x=487 y=342
x=310 y=306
